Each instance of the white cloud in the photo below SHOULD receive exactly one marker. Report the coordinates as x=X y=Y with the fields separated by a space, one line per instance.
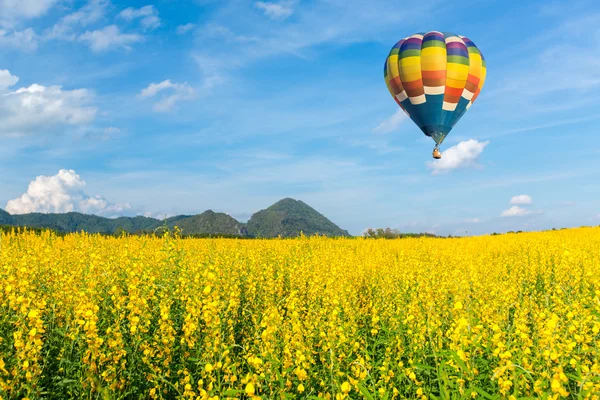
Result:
x=392 y=123
x=522 y=199
x=148 y=16
x=473 y=220
x=13 y=10
x=179 y=92
x=63 y=192
x=93 y=11
x=29 y=109
x=277 y=11
x=183 y=29
x=109 y=37
x=23 y=40
x=464 y=154
x=154 y=88
x=7 y=80
x=515 y=211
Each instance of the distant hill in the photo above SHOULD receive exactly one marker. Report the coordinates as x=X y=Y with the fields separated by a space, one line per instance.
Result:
x=5 y=218
x=289 y=217
x=211 y=223
x=75 y=222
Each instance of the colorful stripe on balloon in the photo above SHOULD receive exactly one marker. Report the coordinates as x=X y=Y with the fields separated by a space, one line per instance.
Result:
x=435 y=77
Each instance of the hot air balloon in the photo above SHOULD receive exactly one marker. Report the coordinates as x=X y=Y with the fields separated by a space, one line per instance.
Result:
x=435 y=77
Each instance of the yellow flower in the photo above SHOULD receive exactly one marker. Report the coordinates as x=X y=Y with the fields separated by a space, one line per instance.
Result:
x=249 y=389
x=346 y=387
x=300 y=388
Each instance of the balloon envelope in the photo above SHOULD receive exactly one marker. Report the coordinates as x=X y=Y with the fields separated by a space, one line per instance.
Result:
x=435 y=77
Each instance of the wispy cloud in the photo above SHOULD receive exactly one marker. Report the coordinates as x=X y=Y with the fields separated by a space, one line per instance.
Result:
x=183 y=29
x=148 y=16
x=109 y=37
x=67 y=27
x=212 y=71
x=277 y=11
x=534 y=83
x=338 y=23
x=26 y=40
x=179 y=92
x=11 y=11
x=392 y=123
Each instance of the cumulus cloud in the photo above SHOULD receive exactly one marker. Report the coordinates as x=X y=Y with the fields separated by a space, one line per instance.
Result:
x=463 y=155
x=179 y=92
x=392 y=123
x=26 y=40
x=29 y=109
x=108 y=38
x=183 y=29
x=148 y=16
x=522 y=199
x=63 y=192
x=277 y=11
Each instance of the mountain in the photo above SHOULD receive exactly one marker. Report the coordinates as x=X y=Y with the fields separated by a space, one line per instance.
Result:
x=211 y=223
x=289 y=217
x=5 y=218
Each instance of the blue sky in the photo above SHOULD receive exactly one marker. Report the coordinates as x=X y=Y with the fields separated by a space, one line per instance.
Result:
x=174 y=107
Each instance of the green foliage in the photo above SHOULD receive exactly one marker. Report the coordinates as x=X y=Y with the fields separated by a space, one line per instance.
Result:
x=389 y=233
x=76 y=222
x=210 y=223
x=289 y=217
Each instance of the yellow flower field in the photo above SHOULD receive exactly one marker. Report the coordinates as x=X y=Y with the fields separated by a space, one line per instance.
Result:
x=511 y=316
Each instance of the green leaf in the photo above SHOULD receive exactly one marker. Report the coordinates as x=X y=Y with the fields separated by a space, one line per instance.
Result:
x=365 y=392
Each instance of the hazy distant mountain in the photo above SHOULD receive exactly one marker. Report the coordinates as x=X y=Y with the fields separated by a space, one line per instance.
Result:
x=289 y=217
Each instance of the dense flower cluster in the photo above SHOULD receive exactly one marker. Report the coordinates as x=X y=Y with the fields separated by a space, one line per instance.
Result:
x=87 y=316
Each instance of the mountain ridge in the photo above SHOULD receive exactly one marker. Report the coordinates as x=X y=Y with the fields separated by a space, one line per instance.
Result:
x=287 y=217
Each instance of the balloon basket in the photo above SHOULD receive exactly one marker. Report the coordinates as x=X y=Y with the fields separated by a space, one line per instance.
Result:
x=437 y=154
